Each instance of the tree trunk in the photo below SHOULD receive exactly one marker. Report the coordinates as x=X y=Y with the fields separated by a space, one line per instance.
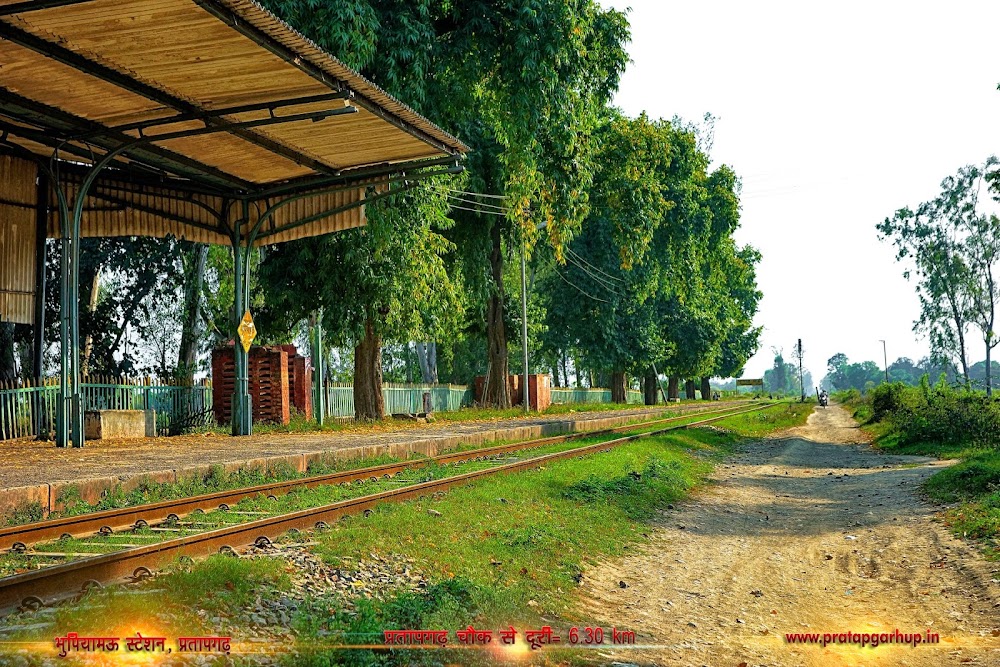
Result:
x=88 y=341
x=8 y=365
x=689 y=389
x=555 y=376
x=706 y=389
x=650 y=387
x=432 y=361
x=425 y=373
x=989 y=368
x=673 y=387
x=496 y=393
x=8 y=373
x=565 y=371
x=965 y=363
x=368 y=403
x=194 y=277
x=619 y=387
x=427 y=356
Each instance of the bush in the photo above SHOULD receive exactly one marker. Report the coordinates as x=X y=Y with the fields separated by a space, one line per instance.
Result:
x=931 y=418
x=887 y=399
x=848 y=396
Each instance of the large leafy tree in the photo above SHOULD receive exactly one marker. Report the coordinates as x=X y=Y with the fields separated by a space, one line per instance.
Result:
x=386 y=281
x=654 y=278
x=603 y=298
x=955 y=253
x=523 y=83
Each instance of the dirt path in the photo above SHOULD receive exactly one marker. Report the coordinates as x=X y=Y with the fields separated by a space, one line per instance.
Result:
x=812 y=532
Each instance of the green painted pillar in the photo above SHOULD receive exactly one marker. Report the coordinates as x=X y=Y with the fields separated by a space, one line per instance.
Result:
x=62 y=406
x=242 y=413
x=316 y=340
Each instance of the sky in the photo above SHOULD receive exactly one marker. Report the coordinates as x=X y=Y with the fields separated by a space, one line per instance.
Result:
x=835 y=115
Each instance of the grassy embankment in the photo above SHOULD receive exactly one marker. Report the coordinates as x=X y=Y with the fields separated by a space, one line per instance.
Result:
x=505 y=550
x=949 y=424
x=217 y=479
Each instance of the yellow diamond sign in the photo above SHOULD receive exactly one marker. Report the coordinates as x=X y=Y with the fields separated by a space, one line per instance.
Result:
x=247 y=331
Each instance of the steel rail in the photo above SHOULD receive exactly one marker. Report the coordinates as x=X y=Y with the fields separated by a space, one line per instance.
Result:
x=31 y=590
x=15 y=539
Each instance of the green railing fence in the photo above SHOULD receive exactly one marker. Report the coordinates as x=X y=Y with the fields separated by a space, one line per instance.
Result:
x=28 y=408
x=581 y=395
x=401 y=398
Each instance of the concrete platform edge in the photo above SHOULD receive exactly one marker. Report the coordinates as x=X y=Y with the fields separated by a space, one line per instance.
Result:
x=55 y=495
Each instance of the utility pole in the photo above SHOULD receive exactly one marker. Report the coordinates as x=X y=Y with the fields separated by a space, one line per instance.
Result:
x=802 y=386
x=524 y=329
x=885 y=360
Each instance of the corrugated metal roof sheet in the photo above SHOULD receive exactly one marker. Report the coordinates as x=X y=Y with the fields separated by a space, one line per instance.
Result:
x=113 y=65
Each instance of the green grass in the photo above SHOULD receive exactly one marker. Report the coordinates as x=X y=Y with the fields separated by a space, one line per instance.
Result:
x=975 y=485
x=256 y=507
x=217 y=479
x=971 y=487
x=517 y=556
x=504 y=550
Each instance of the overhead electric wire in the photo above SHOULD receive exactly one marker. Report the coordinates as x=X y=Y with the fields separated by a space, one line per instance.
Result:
x=581 y=259
x=476 y=203
x=476 y=210
x=475 y=194
x=578 y=289
x=606 y=285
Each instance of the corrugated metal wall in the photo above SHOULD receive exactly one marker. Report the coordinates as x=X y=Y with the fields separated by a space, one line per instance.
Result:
x=17 y=240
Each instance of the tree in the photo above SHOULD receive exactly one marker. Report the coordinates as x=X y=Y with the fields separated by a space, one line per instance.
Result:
x=955 y=249
x=384 y=282
x=193 y=262
x=601 y=299
x=133 y=284
x=842 y=374
x=777 y=379
x=524 y=83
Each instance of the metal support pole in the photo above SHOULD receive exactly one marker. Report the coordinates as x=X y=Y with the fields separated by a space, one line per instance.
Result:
x=524 y=330
x=63 y=410
x=41 y=224
x=69 y=425
x=659 y=384
x=319 y=390
x=885 y=360
x=242 y=414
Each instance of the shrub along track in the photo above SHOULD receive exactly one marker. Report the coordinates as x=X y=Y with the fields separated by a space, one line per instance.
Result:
x=134 y=562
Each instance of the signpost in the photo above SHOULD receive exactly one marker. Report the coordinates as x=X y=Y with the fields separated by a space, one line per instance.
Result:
x=750 y=382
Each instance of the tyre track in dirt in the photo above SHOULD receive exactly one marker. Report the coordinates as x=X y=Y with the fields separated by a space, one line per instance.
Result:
x=808 y=531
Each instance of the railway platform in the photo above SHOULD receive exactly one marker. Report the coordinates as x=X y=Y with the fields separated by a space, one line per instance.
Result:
x=36 y=472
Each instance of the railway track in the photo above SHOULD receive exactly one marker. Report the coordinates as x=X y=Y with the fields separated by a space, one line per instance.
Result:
x=134 y=562
x=17 y=539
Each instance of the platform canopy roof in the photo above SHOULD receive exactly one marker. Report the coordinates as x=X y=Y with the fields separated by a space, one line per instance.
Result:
x=208 y=102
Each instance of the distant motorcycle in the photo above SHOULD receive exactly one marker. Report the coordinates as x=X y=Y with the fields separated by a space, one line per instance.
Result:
x=824 y=399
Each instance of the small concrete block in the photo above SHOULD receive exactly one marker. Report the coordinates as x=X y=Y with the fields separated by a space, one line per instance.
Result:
x=104 y=424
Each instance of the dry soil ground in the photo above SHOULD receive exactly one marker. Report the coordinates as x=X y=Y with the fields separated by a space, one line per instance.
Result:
x=810 y=531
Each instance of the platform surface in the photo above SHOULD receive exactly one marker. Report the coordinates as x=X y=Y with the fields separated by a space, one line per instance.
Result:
x=28 y=463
